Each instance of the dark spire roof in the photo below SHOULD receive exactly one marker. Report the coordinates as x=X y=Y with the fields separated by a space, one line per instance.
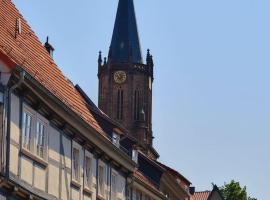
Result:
x=125 y=44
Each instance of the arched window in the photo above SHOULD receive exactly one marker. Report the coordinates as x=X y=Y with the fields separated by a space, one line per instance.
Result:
x=120 y=102
x=137 y=104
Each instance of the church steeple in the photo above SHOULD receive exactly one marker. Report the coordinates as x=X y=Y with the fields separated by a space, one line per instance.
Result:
x=125 y=82
x=125 y=44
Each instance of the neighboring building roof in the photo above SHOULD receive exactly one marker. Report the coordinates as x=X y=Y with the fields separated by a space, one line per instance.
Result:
x=139 y=175
x=215 y=194
x=125 y=40
x=201 y=195
x=174 y=173
x=26 y=51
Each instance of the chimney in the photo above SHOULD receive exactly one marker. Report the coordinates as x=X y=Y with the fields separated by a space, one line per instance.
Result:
x=18 y=27
x=192 y=190
x=49 y=47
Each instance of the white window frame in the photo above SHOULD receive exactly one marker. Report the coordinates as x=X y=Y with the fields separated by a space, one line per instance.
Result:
x=102 y=186
x=114 y=187
x=27 y=112
x=88 y=184
x=76 y=146
x=135 y=155
x=116 y=139
x=45 y=123
x=32 y=151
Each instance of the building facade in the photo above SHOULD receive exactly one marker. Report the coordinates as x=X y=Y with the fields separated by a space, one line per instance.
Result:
x=56 y=143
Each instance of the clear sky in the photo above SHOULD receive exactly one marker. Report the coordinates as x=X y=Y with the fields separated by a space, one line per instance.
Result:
x=211 y=90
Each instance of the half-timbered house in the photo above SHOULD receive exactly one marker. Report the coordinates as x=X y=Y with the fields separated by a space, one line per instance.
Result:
x=55 y=144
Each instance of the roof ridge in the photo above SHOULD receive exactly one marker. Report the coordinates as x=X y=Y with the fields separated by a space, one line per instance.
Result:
x=203 y=191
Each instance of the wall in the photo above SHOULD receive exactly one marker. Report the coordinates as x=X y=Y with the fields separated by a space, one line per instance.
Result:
x=52 y=176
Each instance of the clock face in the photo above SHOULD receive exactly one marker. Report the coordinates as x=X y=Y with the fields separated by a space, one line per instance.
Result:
x=120 y=77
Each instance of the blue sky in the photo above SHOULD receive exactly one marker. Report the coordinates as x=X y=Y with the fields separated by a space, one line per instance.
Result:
x=211 y=89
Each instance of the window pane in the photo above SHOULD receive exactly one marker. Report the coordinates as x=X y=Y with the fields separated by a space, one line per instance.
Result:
x=76 y=164
x=26 y=130
x=101 y=180
x=88 y=172
x=40 y=139
x=113 y=187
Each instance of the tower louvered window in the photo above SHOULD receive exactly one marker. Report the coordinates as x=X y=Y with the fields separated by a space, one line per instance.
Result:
x=120 y=103
x=137 y=97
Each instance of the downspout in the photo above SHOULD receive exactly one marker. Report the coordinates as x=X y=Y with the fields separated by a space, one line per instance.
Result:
x=11 y=89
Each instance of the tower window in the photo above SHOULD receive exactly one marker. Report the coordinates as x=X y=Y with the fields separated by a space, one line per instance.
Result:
x=120 y=103
x=137 y=105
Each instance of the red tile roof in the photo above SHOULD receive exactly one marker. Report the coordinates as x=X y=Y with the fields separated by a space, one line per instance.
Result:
x=139 y=175
x=28 y=52
x=175 y=173
x=201 y=195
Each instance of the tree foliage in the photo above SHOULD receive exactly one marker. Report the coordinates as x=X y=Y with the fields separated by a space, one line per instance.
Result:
x=233 y=191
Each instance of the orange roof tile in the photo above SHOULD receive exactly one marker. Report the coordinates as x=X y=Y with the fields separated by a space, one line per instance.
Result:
x=28 y=52
x=201 y=195
x=174 y=173
x=139 y=175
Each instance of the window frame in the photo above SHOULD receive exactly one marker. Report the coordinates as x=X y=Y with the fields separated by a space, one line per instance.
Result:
x=114 y=193
x=116 y=139
x=45 y=122
x=87 y=185
x=135 y=155
x=32 y=150
x=76 y=180
x=27 y=112
x=102 y=188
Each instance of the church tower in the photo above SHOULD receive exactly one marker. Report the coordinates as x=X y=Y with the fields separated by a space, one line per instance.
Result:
x=125 y=81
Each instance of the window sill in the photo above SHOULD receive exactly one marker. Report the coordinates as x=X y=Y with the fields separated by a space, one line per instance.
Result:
x=87 y=190
x=100 y=197
x=76 y=184
x=34 y=157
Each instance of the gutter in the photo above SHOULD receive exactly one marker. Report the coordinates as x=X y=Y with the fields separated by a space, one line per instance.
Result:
x=10 y=90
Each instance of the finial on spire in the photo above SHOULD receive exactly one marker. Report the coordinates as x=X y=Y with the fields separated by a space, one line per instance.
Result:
x=99 y=58
x=148 y=57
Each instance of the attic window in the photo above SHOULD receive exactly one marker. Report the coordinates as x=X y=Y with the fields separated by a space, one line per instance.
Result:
x=116 y=139
x=135 y=155
x=18 y=28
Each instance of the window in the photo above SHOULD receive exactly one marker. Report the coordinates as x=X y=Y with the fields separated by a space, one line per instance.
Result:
x=101 y=181
x=134 y=195
x=120 y=102
x=88 y=172
x=114 y=186
x=135 y=155
x=116 y=139
x=137 y=104
x=138 y=195
x=76 y=164
x=129 y=194
x=34 y=133
x=26 y=130
x=40 y=139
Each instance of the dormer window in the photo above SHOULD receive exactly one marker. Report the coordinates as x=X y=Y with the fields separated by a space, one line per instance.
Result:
x=135 y=155
x=116 y=139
